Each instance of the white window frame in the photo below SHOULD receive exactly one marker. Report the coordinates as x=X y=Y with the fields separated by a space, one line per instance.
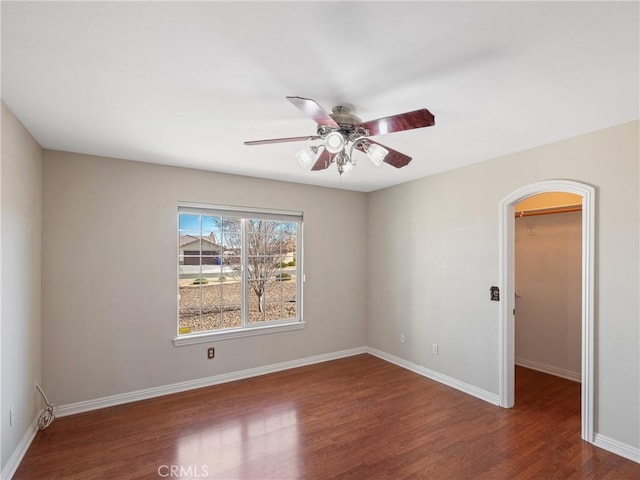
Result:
x=246 y=329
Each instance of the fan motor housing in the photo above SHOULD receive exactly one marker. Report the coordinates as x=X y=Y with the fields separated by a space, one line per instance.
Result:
x=348 y=122
x=342 y=116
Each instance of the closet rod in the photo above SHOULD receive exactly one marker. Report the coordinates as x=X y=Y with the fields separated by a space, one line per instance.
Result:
x=548 y=211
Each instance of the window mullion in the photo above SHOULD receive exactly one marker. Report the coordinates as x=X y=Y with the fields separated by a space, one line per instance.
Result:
x=299 y=270
x=244 y=256
x=200 y=274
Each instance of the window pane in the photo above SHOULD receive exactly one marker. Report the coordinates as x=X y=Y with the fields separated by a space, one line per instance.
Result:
x=231 y=300
x=190 y=294
x=189 y=222
x=209 y=245
x=231 y=318
x=189 y=244
x=231 y=264
x=212 y=295
x=210 y=224
x=231 y=272
x=289 y=298
x=231 y=224
x=189 y=320
x=211 y=317
x=231 y=242
x=256 y=313
x=272 y=311
x=269 y=249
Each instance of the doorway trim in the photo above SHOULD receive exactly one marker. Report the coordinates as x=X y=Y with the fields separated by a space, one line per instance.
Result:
x=507 y=307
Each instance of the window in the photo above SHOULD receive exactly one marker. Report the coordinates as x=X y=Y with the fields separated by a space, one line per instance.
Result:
x=239 y=272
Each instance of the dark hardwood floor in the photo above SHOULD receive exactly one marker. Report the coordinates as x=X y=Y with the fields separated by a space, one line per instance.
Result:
x=358 y=418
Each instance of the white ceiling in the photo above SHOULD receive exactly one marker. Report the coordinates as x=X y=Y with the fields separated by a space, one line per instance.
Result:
x=185 y=84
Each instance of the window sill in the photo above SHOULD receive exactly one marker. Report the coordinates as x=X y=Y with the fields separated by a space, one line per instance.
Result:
x=228 y=334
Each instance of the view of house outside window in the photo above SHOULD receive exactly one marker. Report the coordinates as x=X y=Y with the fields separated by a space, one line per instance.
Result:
x=236 y=269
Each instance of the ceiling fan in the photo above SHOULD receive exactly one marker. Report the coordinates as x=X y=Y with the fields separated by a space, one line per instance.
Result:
x=340 y=132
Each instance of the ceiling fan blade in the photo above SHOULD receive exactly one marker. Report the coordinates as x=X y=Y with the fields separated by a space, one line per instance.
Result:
x=281 y=140
x=393 y=158
x=312 y=109
x=324 y=160
x=403 y=121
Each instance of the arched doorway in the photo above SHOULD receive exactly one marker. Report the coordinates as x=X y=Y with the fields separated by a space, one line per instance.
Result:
x=507 y=276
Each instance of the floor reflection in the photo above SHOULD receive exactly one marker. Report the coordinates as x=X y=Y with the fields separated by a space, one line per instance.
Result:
x=258 y=444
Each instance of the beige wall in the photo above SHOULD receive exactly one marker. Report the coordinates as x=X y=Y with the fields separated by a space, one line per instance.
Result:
x=548 y=281
x=21 y=186
x=434 y=253
x=110 y=301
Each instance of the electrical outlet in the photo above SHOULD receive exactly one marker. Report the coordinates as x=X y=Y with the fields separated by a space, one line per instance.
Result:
x=211 y=352
x=435 y=348
x=402 y=338
x=11 y=415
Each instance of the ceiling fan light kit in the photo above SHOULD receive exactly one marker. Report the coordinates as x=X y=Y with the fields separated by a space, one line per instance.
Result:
x=344 y=163
x=341 y=132
x=376 y=154
x=334 y=142
x=308 y=156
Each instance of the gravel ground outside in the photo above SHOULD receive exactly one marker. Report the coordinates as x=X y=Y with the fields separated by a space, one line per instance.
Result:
x=221 y=303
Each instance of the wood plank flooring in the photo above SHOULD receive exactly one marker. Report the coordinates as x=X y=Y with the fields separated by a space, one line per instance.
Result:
x=354 y=418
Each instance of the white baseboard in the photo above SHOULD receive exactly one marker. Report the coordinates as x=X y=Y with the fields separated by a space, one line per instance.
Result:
x=18 y=454
x=619 y=448
x=438 y=377
x=112 y=400
x=551 y=370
